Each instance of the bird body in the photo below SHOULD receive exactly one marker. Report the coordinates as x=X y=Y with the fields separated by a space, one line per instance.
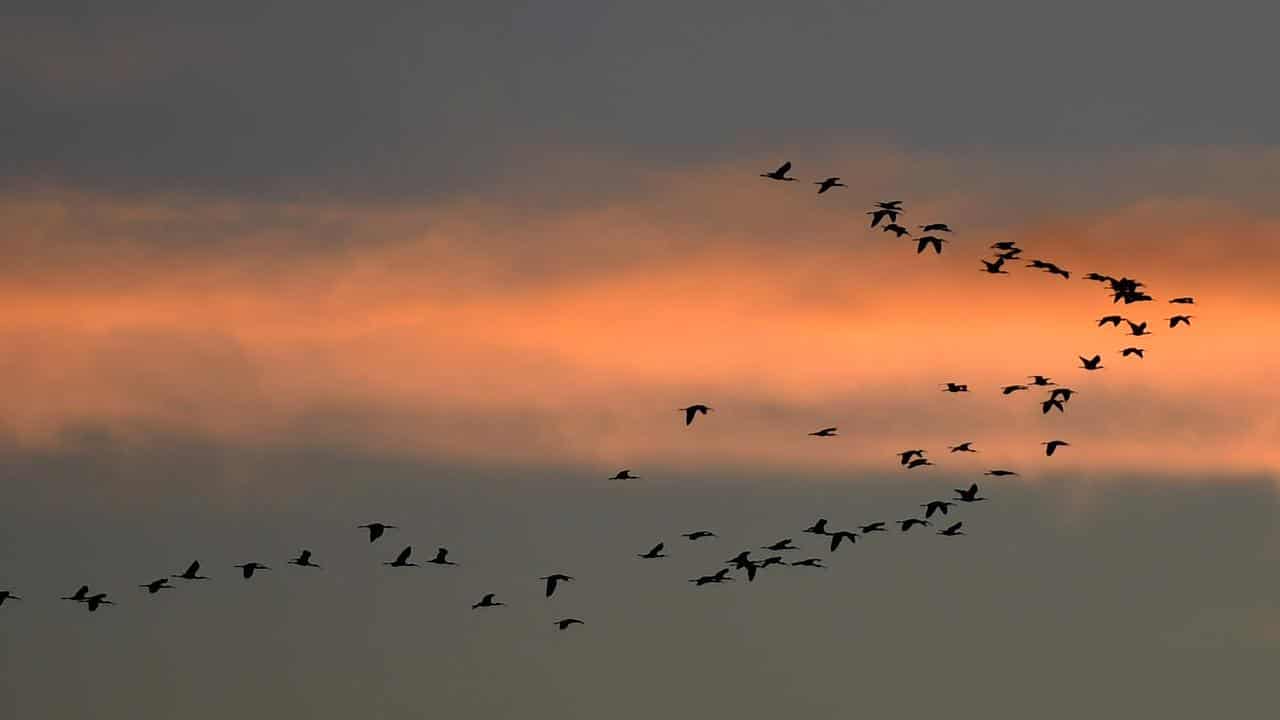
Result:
x=402 y=560
x=809 y=562
x=692 y=411
x=829 y=183
x=825 y=432
x=1184 y=319
x=656 y=552
x=625 y=475
x=999 y=473
x=952 y=531
x=248 y=569
x=1093 y=363
x=780 y=173
x=936 y=227
x=909 y=523
x=377 y=529
x=783 y=544
x=1132 y=351
x=818 y=528
x=554 y=579
x=906 y=455
x=873 y=527
x=926 y=241
x=1052 y=446
x=918 y=462
x=192 y=572
x=697 y=534
x=1010 y=389
x=7 y=595
x=936 y=506
x=953 y=387
x=966 y=447
x=96 y=601
x=969 y=495
x=156 y=586
x=841 y=535
x=303 y=560
x=441 y=557
x=487 y=602
x=896 y=229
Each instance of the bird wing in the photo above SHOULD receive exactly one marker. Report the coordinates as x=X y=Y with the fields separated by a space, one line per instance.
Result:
x=404 y=554
x=551 y=585
x=955 y=527
x=783 y=168
x=193 y=568
x=688 y=415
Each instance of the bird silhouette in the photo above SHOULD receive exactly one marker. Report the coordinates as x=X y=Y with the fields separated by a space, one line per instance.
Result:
x=565 y=623
x=964 y=447
x=79 y=595
x=1040 y=380
x=441 y=557
x=809 y=562
x=906 y=455
x=191 y=573
x=993 y=267
x=772 y=560
x=829 y=183
x=719 y=577
x=1184 y=319
x=698 y=534
x=918 y=462
x=896 y=229
x=691 y=411
x=741 y=560
x=1010 y=389
x=1113 y=320
x=377 y=529
x=970 y=495
x=1183 y=301
x=952 y=387
x=625 y=475
x=780 y=173
x=1137 y=329
x=248 y=569
x=783 y=544
x=934 y=506
x=303 y=560
x=1093 y=363
x=1051 y=446
x=935 y=227
x=818 y=528
x=912 y=522
x=1098 y=277
x=952 y=531
x=96 y=601
x=402 y=560
x=1004 y=245
x=878 y=215
x=656 y=552
x=1132 y=351
x=1050 y=404
x=824 y=432
x=156 y=586
x=1062 y=393
x=999 y=473
x=839 y=535
x=926 y=241
x=873 y=527
x=552 y=580
x=487 y=602
x=894 y=205
x=7 y=595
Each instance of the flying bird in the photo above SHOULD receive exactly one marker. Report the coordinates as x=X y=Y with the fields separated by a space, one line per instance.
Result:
x=1004 y=245
x=780 y=173
x=926 y=241
x=303 y=560
x=809 y=562
x=552 y=580
x=1184 y=319
x=999 y=473
x=783 y=544
x=402 y=560
x=7 y=595
x=692 y=411
x=1062 y=393
x=912 y=522
x=1137 y=329
x=192 y=572
x=993 y=268
x=95 y=601
x=1183 y=301
x=839 y=535
x=829 y=183
x=873 y=527
x=656 y=552
x=1050 y=404
x=1040 y=380
x=442 y=557
x=1010 y=389
x=625 y=475
x=936 y=227
x=966 y=447
x=156 y=586
x=952 y=531
x=1098 y=277
x=955 y=387
x=825 y=432
x=936 y=506
x=918 y=462
x=698 y=534
x=79 y=595
x=1113 y=320
x=896 y=229
x=565 y=623
x=772 y=560
x=894 y=205
x=376 y=530
x=878 y=215
x=818 y=528
x=1132 y=351
x=1052 y=445
x=720 y=576
x=1093 y=363
x=970 y=495
x=487 y=602
x=906 y=455
x=741 y=560
x=247 y=569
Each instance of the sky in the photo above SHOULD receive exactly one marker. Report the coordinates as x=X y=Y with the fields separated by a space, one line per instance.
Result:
x=272 y=272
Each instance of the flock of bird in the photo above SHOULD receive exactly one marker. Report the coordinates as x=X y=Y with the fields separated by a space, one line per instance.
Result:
x=1123 y=290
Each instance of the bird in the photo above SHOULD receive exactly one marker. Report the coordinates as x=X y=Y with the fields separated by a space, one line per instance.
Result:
x=720 y=576
x=1051 y=446
x=780 y=173
x=906 y=455
x=402 y=560
x=966 y=447
x=829 y=183
x=896 y=229
x=938 y=227
x=693 y=410
x=936 y=506
x=625 y=475
x=970 y=495
x=656 y=552
x=809 y=562
x=894 y=205
x=486 y=602
x=697 y=534
x=1055 y=270
x=1063 y=393
x=952 y=531
x=825 y=432
x=1010 y=389
x=771 y=560
x=1113 y=320
x=1137 y=329
x=565 y=623
x=993 y=268
x=952 y=387
x=79 y=595
x=303 y=560
x=1040 y=380
x=7 y=595
x=741 y=560
x=1011 y=254
x=912 y=522
x=1093 y=363
x=872 y=527
x=376 y=530
x=248 y=569
x=818 y=528
x=918 y=462
x=1004 y=245
x=926 y=241
x=999 y=473
x=442 y=557
x=839 y=535
x=783 y=544
x=156 y=586
x=1098 y=277
x=1183 y=301
x=1050 y=404
x=878 y=215
x=1132 y=351
x=1184 y=319
x=553 y=579
x=191 y=573
x=95 y=601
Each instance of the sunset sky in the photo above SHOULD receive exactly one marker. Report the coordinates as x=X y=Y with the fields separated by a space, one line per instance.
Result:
x=273 y=272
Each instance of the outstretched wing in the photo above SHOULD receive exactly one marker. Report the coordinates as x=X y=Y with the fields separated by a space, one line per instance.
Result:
x=404 y=554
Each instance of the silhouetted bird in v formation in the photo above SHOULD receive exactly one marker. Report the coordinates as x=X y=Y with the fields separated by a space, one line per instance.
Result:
x=656 y=552
x=819 y=527
x=953 y=530
x=829 y=183
x=809 y=562
x=377 y=529
x=303 y=560
x=969 y=495
x=909 y=523
x=1093 y=363
x=487 y=602
x=780 y=173
x=248 y=569
x=191 y=573
x=926 y=241
x=839 y=535
x=964 y=447
x=1132 y=351
x=441 y=557
x=955 y=387
x=156 y=586
x=552 y=580
x=896 y=229
x=1184 y=319
x=402 y=560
